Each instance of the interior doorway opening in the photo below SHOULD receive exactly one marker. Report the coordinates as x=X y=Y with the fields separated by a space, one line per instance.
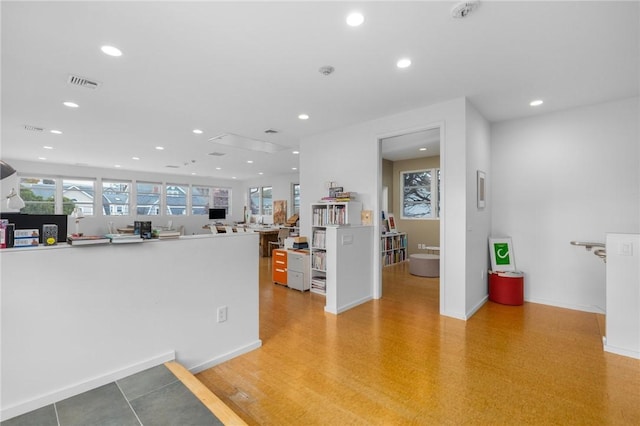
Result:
x=411 y=194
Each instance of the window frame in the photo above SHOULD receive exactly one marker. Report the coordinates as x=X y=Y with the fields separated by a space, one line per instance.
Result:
x=434 y=192
x=158 y=209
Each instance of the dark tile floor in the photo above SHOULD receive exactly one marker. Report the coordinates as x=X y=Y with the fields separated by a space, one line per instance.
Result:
x=151 y=397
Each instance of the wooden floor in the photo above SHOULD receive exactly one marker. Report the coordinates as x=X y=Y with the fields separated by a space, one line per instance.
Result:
x=396 y=361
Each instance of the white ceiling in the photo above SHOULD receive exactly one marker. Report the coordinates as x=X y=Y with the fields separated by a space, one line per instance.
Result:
x=244 y=67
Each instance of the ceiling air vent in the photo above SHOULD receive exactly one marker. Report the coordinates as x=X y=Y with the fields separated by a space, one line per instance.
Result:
x=172 y=166
x=31 y=128
x=271 y=131
x=464 y=9
x=83 y=82
x=217 y=154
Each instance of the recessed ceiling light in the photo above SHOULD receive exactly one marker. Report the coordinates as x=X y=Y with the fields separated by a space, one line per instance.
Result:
x=260 y=173
x=47 y=147
x=56 y=132
x=303 y=116
x=193 y=173
x=233 y=177
x=218 y=168
x=422 y=149
x=159 y=148
x=111 y=51
x=294 y=168
x=537 y=102
x=403 y=63
x=70 y=104
x=197 y=131
x=250 y=161
x=117 y=165
x=135 y=158
x=295 y=152
x=355 y=19
x=42 y=158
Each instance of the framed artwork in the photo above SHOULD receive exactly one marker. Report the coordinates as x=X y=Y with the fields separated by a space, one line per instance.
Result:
x=392 y=222
x=482 y=202
x=502 y=257
x=279 y=211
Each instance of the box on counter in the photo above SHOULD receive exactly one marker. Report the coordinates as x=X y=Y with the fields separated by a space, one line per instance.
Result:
x=300 y=239
x=26 y=242
x=26 y=233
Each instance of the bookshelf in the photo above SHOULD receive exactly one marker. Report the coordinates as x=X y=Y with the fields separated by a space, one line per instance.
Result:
x=326 y=215
x=394 y=248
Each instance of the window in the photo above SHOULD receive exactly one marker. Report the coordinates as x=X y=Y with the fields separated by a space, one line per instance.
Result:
x=78 y=193
x=420 y=191
x=254 y=200
x=202 y=197
x=267 y=200
x=177 y=199
x=39 y=195
x=295 y=198
x=261 y=200
x=148 y=198
x=115 y=198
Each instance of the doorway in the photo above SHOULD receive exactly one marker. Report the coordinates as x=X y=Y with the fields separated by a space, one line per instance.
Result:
x=410 y=188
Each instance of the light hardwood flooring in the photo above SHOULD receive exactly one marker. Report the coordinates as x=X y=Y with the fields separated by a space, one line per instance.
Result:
x=396 y=361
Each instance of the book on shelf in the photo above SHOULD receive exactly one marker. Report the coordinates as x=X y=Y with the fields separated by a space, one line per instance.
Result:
x=165 y=235
x=124 y=238
x=87 y=240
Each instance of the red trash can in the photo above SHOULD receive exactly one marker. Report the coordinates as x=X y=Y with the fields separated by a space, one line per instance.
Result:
x=506 y=288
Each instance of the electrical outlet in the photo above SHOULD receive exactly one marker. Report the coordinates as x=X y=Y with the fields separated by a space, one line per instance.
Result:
x=419 y=246
x=222 y=314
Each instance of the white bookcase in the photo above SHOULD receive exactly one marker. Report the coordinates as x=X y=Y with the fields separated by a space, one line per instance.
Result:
x=326 y=215
x=394 y=248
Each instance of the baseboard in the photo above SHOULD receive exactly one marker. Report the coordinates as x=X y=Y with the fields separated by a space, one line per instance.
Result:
x=348 y=306
x=478 y=305
x=592 y=309
x=621 y=351
x=87 y=385
x=195 y=369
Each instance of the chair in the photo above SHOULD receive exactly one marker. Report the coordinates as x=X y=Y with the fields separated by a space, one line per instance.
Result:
x=283 y=233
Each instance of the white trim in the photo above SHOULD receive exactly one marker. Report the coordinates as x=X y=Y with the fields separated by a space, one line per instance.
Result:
x=87 y=385
x=348 y=306
x=224 y=357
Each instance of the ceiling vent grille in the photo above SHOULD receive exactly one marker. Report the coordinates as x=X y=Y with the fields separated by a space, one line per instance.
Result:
x=172 y=166
x=76 y=80
x=31 y=128
x=271 y=131
x=217 y=154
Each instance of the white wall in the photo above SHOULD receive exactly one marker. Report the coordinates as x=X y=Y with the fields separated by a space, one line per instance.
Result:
x=75 y=318
x=623 y=295
x=350 y=157
x=558 y=177
x=478 y=220
x=98 y=224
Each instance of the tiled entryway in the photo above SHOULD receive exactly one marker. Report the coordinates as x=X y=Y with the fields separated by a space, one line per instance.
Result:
x=151 y=397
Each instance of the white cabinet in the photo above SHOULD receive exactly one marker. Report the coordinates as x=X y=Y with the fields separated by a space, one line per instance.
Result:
x=298 y=274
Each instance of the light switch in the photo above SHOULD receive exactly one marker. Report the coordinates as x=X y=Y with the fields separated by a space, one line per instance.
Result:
x=347 y=239
x=625 y=249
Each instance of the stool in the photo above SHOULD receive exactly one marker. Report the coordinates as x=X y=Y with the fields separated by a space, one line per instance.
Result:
x=424 y=265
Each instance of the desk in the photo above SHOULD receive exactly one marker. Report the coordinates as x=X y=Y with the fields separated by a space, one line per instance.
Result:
x=266 y=236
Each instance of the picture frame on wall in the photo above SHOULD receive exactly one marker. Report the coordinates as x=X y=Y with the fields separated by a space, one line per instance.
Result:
x=482 y=193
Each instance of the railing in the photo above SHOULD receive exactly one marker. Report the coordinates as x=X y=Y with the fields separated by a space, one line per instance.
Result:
x=600 y=248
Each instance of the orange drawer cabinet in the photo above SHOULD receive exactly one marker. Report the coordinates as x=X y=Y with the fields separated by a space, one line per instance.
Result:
x=279 y=266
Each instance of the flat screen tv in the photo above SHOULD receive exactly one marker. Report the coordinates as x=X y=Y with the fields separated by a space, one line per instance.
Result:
x=217 y=214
